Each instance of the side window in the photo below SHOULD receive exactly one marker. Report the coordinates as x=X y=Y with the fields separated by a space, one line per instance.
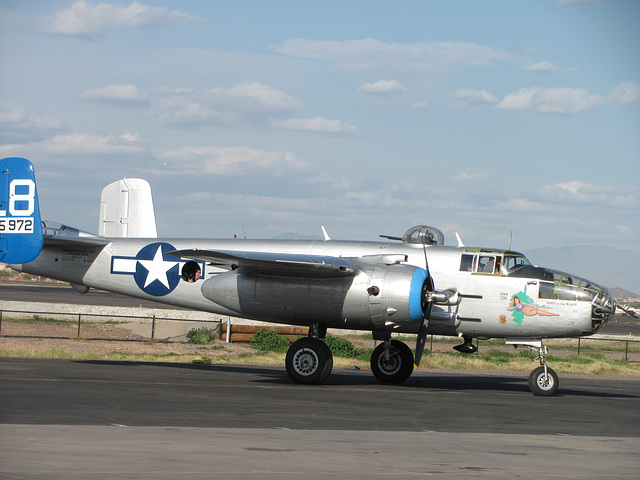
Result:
x=489 y=264
x=486 y=264
x=466 y=264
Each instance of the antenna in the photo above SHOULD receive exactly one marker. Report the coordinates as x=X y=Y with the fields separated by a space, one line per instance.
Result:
x=243 y=233
x=510 y=236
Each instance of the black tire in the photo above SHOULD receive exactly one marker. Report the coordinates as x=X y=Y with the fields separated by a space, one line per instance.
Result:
x=309 y=361
x=541 y=385
x=397 y=368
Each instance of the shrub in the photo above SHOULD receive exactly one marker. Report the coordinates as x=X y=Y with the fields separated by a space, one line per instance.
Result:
x=201 y=336
x=340 y=347
x=267 y=340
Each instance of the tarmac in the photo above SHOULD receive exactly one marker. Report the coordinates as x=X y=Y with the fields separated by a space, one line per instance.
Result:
x=64 y=419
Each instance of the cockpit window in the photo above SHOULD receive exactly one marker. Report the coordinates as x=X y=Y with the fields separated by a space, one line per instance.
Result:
x=514 y=260
x=487 y=264
x=483 y=263
x=466 y=263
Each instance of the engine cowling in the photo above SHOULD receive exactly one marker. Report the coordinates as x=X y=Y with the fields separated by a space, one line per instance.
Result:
x=378 y=296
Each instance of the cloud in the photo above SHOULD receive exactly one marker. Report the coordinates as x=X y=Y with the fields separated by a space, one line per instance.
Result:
x=469 y=175
x=244 y=103
x=80 y=144
x=19 y=119
x=382 y=86
x=117 y=95
x=475 y=97
x=83 y=19
x=541 y=67
x=317 y=124
x=230 y=161
x=577 y=193
x=367 y=52
x=625 y=93
x=563 y=101
x=423 y=104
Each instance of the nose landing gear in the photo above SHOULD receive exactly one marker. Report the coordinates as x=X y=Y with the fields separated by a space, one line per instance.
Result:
x=543 y=380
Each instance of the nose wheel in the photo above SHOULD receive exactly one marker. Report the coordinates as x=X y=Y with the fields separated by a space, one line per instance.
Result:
x=543 y=380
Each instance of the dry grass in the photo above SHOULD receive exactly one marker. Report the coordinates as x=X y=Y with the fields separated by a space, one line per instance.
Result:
x=494 y=357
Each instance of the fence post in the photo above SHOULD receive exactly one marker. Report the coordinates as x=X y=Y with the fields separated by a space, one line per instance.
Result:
x=228 y=329
x=578 y=346
x=626 y=351
x=153 y=326
x=0 y=322
x=79 y=317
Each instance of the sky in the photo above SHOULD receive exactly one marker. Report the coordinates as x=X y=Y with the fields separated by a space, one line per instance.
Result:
x=257 y=118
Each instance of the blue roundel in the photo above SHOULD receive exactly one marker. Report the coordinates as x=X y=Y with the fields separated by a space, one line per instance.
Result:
x=156 y=272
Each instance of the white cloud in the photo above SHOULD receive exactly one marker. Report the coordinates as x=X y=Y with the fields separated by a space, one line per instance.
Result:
x=469 y=175
x=243 y=103
x=118 y=95
x=88 y=20
x=368 y=51
x=567 y=101
x=424 y=104
x=85 y=144
x=317 y=124
x=518 y=101
x=625 y=93
x=564 y=101
x=578 y=193
x=475 y=97
x=229 y=161
x=382 y=86
x=15 y=118
x=541 y=67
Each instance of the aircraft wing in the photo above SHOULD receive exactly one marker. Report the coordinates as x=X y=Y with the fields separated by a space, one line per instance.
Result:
x=288 y=264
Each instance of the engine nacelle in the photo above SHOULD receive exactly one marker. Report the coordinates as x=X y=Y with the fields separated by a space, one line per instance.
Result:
x=379 y=296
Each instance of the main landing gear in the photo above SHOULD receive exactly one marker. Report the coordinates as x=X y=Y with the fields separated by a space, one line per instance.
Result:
x=309 y=361
x=392 y=362
x=543 y=380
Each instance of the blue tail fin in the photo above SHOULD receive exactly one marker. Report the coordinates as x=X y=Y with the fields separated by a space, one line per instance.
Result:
x=20 y=225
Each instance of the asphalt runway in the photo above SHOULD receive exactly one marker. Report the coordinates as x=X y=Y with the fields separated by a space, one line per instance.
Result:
x=63 y=419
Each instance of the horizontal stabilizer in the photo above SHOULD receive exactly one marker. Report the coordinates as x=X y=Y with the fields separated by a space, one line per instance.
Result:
x=286 y=264
x=58 y=234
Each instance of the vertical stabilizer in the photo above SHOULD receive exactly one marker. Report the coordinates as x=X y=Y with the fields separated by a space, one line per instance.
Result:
x=20 y=226
x=126 y=209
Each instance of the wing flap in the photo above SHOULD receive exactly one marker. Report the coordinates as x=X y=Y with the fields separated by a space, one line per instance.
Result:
x=268 y=263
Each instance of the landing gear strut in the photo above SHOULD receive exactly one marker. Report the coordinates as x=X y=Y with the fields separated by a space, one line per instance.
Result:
x=309 y=360
x=543 y=380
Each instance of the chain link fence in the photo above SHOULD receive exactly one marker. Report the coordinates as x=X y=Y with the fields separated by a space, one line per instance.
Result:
x=100 y=327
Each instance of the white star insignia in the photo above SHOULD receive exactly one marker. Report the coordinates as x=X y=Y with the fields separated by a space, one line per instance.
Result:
x=157 y=269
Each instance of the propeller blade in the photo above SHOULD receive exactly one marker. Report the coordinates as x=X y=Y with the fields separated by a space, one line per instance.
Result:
x=422 y=339
x=627 y=311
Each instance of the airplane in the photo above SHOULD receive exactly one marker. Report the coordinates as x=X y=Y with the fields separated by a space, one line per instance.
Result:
x=385 y=287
